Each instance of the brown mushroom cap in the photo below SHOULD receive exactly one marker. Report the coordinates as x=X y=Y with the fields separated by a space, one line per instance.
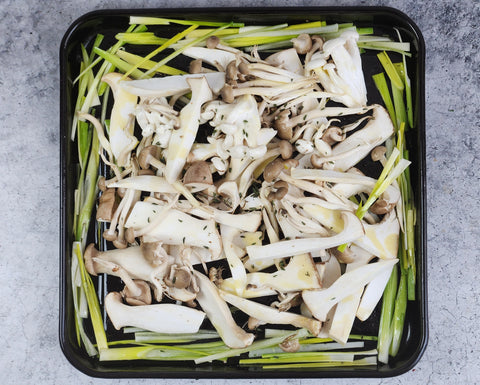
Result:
x=120 y=243
x=198 y=172
x=378 y=153
x=145 y=297
x=179 y=278
x=281 y=190
x=381 y=206
x=107 y=205
x=272 y=170
x=333 y=135
x=109 y=235
x=90 y=253
x=227 y=93
x=282 y=125
x=231 y=73
x=317 y=42
x=195 y=66
x=146 y=154
x=212 y=42
x=286 y=149
x=302 y=43
x=243 y=68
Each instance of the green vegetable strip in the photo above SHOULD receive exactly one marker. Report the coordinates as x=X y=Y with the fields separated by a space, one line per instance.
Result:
x=411 y=255
x=92 y=90
x=254 y=346
x=382 y=87
x=159 y=337
x=78 y=295
x=202 y=31
x=320 y=347
x=385 y=332
x=408 y=89
x=180 y=50
x=380 y=185
x=398 y=319
x=119 y=63
x=111 y=50
x=261 y=40
x=92 y=300
x=400 y=111
x=163 y=21
x=146 y=353
x=312 y=24
x=297 y=357
x=137 y=61
x=88 y=192
x=361 y=362
x=390 y=70
x=402 y=48
x=164 y=46
x=283 y=30
x=249 y=31
x=142 y=38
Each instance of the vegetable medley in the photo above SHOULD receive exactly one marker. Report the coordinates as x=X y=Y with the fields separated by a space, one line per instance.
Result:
x=231 y=197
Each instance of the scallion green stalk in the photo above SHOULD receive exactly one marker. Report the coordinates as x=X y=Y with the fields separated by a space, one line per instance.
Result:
x=388 y=304
x=184 y=47
x=382 y=87
x=254 y=346
x=136 y=60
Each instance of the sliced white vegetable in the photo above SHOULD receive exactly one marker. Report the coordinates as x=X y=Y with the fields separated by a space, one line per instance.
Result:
x=171 y=85
x=299 y=274
x=346 y=309
x=352 y=230
x=372 y=294
x=360 y=143
x=176 y=228
x=149 y=183
x=381 y=239
x=122 y=120
x=239 y=275
x=212 y=56
x=182 y=139
x=320 y=301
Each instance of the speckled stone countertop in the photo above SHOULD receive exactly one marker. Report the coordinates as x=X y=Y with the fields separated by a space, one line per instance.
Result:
x=31 y=32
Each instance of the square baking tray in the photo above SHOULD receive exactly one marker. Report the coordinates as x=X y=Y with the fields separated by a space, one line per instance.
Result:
x=109 y=22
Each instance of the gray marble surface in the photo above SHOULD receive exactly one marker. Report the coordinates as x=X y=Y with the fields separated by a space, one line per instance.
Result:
x=30 y=33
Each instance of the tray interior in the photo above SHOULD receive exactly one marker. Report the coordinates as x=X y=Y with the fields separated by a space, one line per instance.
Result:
x=384 y=20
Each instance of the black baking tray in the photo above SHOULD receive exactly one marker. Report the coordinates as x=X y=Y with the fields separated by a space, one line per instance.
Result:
x=109 y=22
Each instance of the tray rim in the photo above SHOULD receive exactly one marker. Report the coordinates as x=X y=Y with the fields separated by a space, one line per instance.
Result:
x=69 y=352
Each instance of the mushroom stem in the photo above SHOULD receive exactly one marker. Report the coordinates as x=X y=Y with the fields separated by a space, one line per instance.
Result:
x=353 y=230
x=159 y=318
x=270 y=315
x=219 y=314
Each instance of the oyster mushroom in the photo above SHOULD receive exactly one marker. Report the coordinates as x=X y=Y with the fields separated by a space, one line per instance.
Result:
x=159 y=318
x=219 y=314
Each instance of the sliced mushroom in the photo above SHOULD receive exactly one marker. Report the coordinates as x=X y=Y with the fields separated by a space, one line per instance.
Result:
x=270 y=315
x=159 y=318
x=220 y=315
